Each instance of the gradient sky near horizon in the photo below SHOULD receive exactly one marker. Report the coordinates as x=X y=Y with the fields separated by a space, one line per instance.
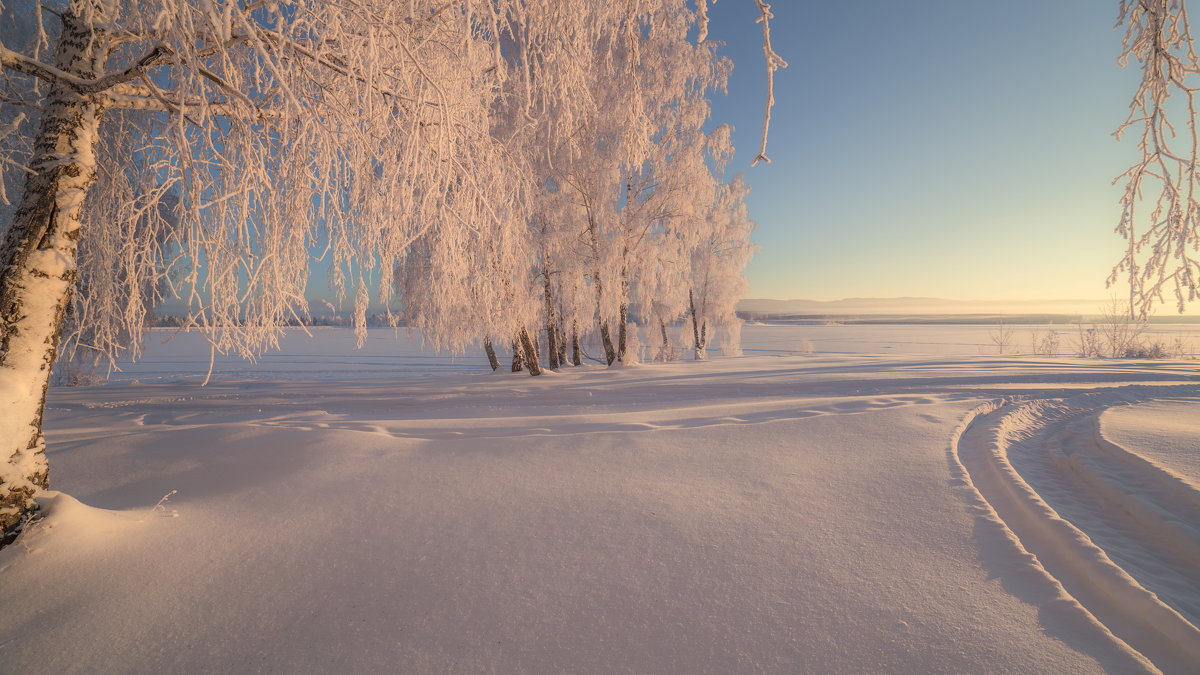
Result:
x=958 y=149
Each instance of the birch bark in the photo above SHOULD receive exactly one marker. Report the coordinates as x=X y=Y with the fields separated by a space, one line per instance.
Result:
x=38 y=268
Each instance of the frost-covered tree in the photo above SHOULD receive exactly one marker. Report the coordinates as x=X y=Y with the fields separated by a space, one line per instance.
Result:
x=1163 y=237
x=203 y=149
x=206 y=150
x=718 y=262
x=677 y=243
x=616 y=161
x=547 y=51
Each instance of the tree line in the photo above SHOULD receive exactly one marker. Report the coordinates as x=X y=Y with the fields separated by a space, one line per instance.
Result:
x=501 y=172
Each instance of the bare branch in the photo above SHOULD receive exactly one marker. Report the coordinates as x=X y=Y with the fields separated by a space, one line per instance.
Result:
x=155 y=57
x=774 y=62
x=28 y=66
x=23 y=64
x=12 y=100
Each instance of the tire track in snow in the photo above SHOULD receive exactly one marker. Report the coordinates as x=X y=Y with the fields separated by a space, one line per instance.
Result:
x=1146 y=519
x=1058 y=444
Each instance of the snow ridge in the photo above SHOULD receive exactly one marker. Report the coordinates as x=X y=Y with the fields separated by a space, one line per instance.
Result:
x=1043 y=470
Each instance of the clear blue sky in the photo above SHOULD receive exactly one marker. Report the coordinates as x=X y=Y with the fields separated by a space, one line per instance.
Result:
x=949 y=148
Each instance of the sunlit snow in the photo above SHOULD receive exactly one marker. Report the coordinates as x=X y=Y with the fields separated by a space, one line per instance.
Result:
x=883 y=503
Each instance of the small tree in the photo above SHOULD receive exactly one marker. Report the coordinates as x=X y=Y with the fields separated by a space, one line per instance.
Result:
x=1119 y=332
x=1003 y=337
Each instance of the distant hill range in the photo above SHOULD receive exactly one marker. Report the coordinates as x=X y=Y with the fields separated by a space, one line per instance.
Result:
x=920 y=306
x=936 y=310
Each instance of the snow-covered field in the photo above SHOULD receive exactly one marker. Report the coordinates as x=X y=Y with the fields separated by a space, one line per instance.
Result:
x=902 y=499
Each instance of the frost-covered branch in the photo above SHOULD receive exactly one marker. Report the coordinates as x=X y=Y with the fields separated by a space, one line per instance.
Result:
x=773 y=62
x=1163 y=245
x=30 y=66
x=507 y=166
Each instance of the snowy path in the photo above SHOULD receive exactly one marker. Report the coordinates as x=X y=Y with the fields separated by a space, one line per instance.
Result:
x=1118 y=536
x=765 y=514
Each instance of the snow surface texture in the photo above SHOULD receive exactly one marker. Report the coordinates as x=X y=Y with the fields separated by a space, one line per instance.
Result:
x=391 y=511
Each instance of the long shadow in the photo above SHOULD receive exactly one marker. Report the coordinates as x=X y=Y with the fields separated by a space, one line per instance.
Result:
x=1059 y=615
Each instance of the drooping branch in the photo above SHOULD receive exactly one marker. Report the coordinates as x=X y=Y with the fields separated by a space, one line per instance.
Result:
x=1163 y=255
x=774 y=62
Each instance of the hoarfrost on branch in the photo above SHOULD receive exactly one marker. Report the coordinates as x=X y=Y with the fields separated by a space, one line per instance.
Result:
x=509 y=169
x=1163 y=238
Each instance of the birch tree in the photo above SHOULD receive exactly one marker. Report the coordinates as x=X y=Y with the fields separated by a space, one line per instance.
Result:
x=206 y=150
x=613 y=159
x=688 y=190
x=717 y=264
x=212 y=145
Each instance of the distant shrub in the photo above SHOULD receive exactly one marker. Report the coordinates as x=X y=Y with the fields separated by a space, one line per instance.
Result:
x=1119 y=336
x=1046 y=343
x=1154 y=351
x=1176 y=348
x=1087 y=343
x=1181 y=348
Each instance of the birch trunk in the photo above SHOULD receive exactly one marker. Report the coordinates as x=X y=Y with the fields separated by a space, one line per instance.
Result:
x=697 y=335
x=531 y=355
x=666 y=341
x=38 y=269
x=576 y=359
x=562 y=338
x=493 y=360
x=610 y=352
x=518 y=362
x=552 y=350
x=623 y=332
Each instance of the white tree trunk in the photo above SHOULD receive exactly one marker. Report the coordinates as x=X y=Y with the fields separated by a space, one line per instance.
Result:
x=699 y=334
x=38 y=270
